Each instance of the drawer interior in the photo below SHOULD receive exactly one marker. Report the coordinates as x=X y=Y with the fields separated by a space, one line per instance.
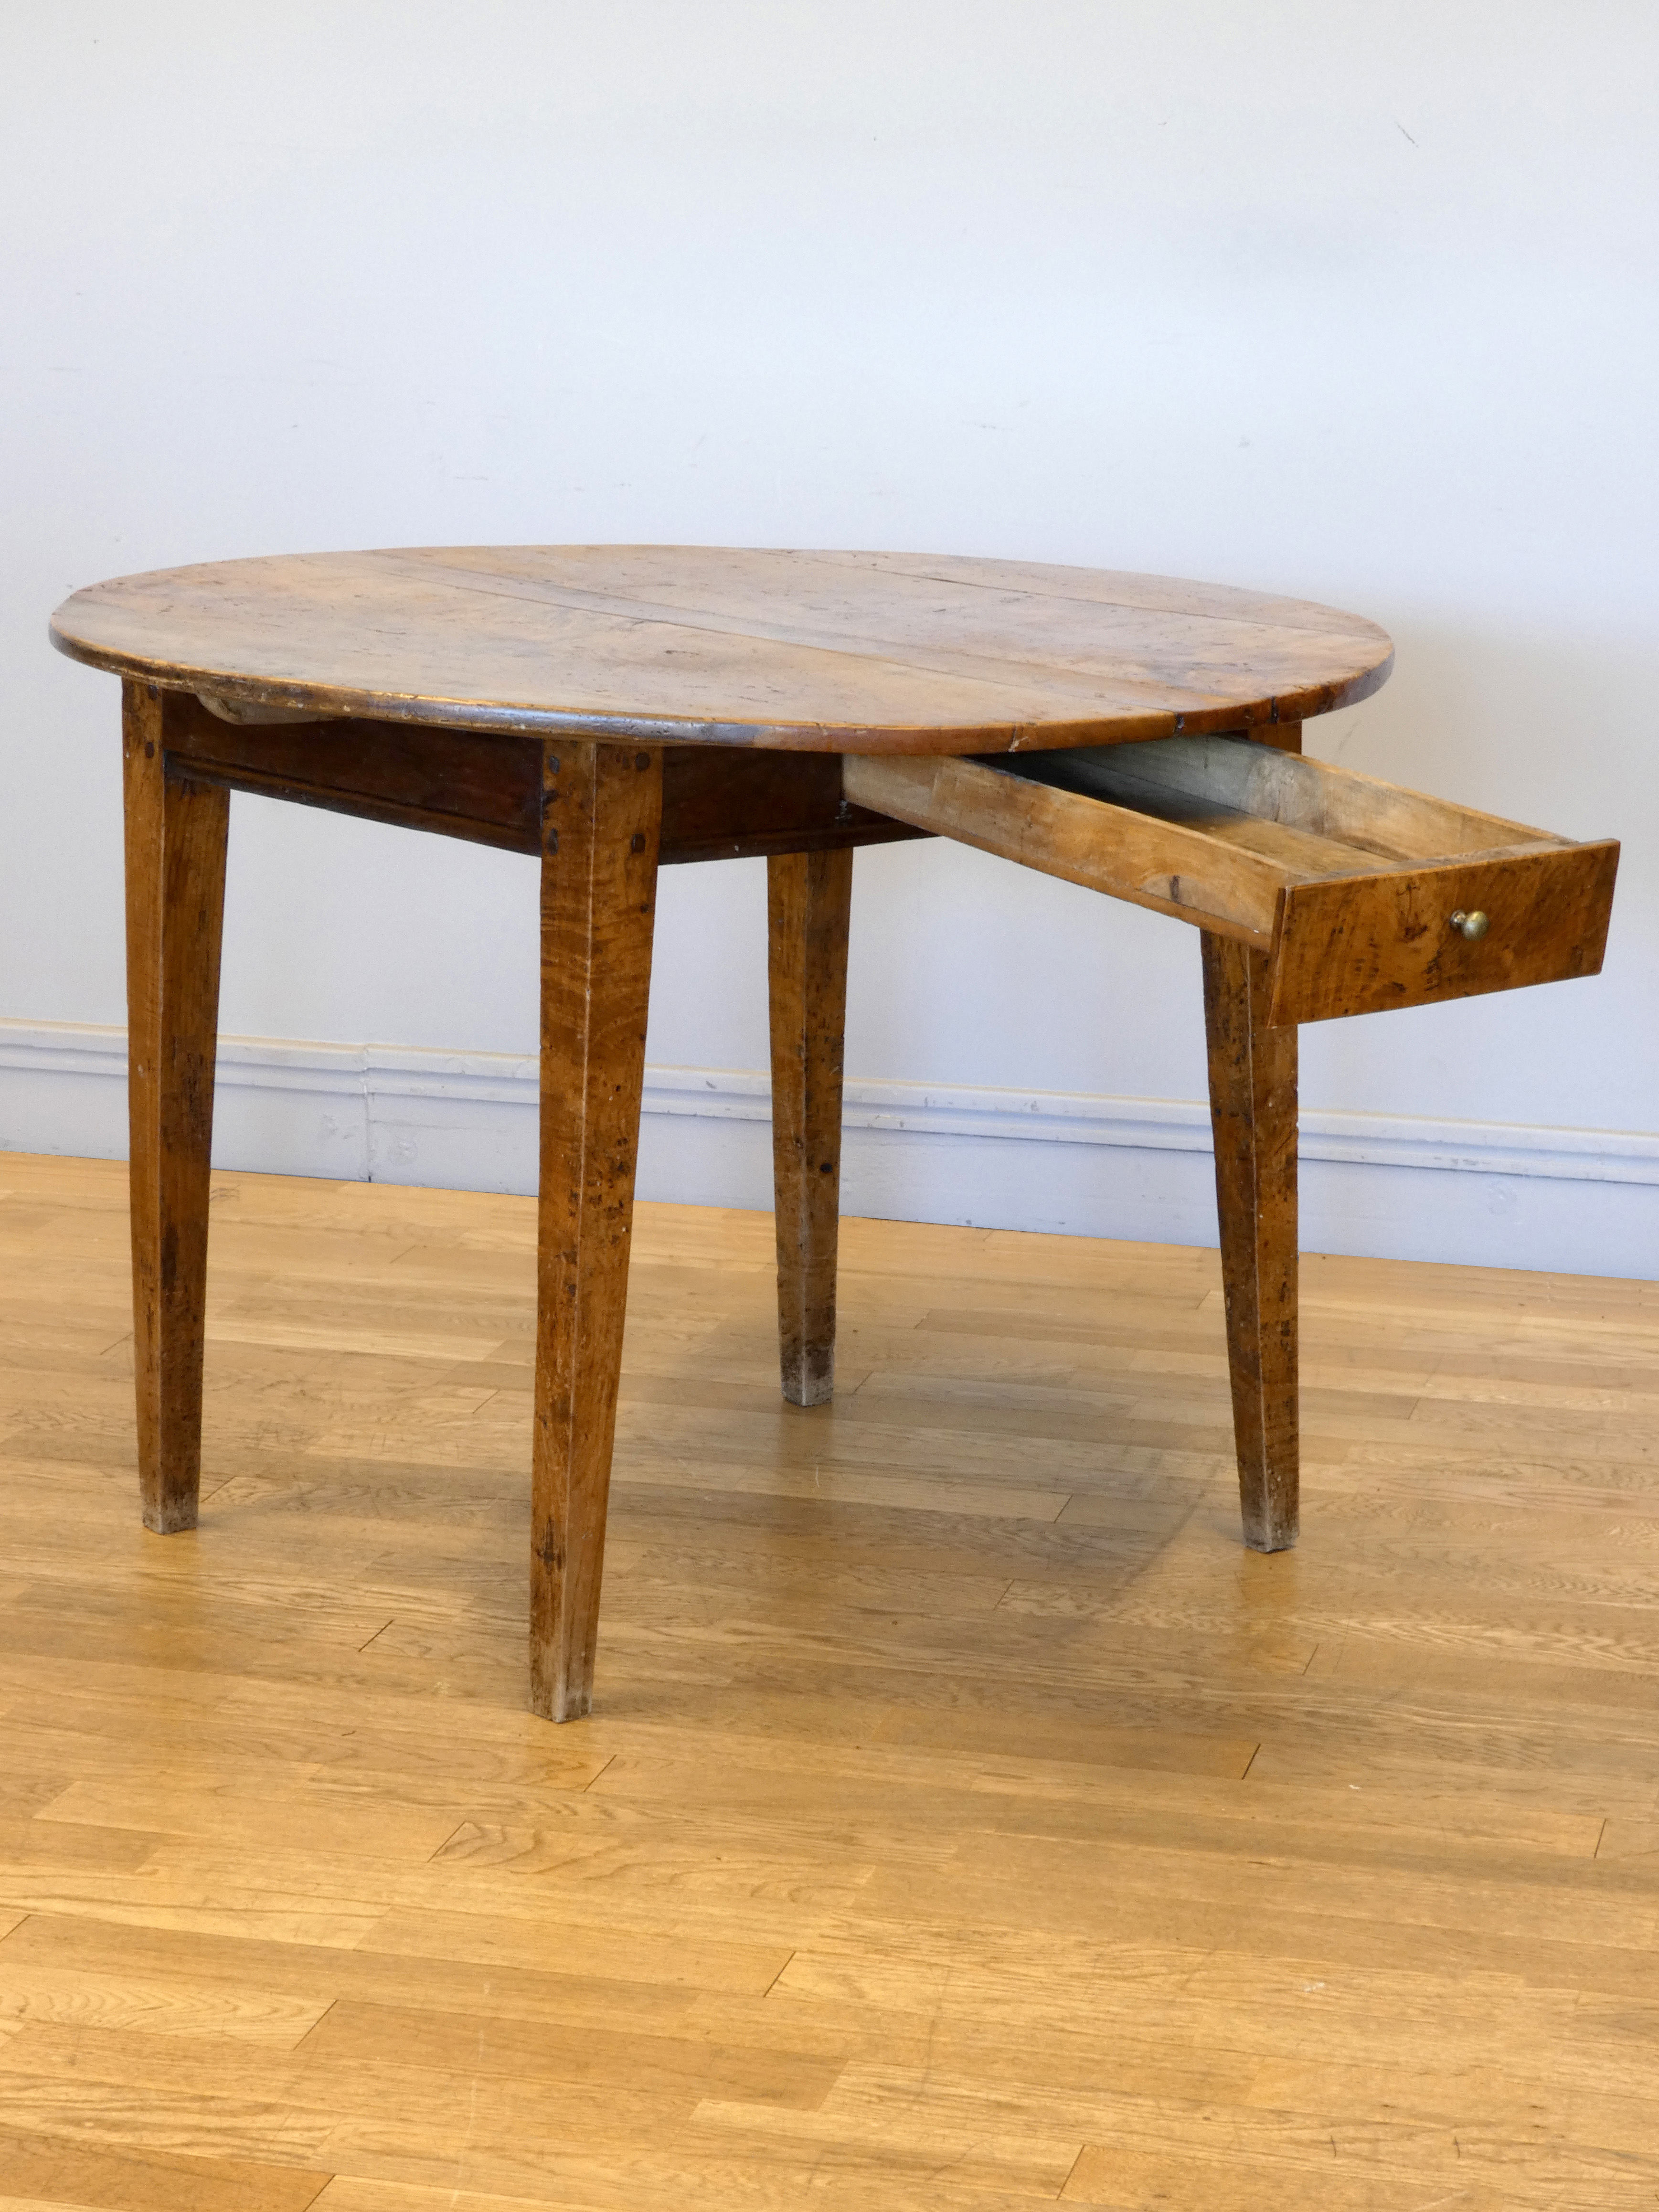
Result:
x=1312 y=818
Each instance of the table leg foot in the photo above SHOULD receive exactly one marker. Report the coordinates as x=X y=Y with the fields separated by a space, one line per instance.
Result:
x=809 y=901
x=175 y=886
x=601 y=821
x=1252 y=1071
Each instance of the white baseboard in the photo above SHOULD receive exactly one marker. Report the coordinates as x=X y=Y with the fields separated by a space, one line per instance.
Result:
x=1583 y=1201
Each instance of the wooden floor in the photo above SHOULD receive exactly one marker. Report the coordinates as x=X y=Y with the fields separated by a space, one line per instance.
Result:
x=967 y=1821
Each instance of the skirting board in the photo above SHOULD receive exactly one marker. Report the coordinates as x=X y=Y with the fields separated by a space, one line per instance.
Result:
x=1577 y=1202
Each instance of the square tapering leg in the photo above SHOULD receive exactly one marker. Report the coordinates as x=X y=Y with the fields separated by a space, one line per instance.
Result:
x=175 y=871
x=809 y=902
x=601 y=821
x=1253 y=1110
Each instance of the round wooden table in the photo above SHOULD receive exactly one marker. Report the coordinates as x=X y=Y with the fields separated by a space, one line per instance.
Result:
x=816 y=652
x=608 y=708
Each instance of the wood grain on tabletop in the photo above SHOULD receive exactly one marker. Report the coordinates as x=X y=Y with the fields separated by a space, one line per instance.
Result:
x=965 y=1818
x=821 y=651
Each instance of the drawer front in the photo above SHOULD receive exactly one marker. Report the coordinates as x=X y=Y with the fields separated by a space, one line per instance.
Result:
x=1361 y=944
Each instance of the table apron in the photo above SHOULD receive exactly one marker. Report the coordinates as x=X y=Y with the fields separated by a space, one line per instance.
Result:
x=485 y=786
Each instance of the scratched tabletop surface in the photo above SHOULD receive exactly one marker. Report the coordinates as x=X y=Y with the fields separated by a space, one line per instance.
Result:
x=815 y=651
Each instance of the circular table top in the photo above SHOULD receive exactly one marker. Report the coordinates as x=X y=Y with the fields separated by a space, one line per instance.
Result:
x=818 y=652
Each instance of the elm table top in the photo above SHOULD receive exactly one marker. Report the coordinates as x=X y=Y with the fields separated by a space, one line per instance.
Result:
x=814 y=652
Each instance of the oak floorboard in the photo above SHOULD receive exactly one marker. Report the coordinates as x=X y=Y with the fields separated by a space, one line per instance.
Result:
x=68 y=2175
x=964 y=1822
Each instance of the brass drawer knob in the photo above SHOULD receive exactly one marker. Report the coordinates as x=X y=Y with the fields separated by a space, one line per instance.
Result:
x=1470 y=925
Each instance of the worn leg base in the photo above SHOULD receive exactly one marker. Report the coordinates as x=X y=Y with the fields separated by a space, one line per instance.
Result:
x=176 y=1516
x=1269 y=1527
x=175 y=876
x=555 y=1702
x=809 y=902
x=1253 y=1072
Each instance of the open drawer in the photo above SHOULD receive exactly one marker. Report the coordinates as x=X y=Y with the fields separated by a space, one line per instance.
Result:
x=1361 y=895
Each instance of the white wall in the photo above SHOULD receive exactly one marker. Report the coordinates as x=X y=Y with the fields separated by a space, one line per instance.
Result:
x=1348 y=301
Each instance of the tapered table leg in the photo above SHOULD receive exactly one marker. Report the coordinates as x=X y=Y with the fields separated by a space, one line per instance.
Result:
x=175 y=871
x=809 y=900
x=1253 y=1110
x=601 y=821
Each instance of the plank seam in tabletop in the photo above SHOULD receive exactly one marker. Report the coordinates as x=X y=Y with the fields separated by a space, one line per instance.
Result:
x=897 y=652
x=1336 y=623
x=1067 y=667
x=865 y=651
x=882 y=564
